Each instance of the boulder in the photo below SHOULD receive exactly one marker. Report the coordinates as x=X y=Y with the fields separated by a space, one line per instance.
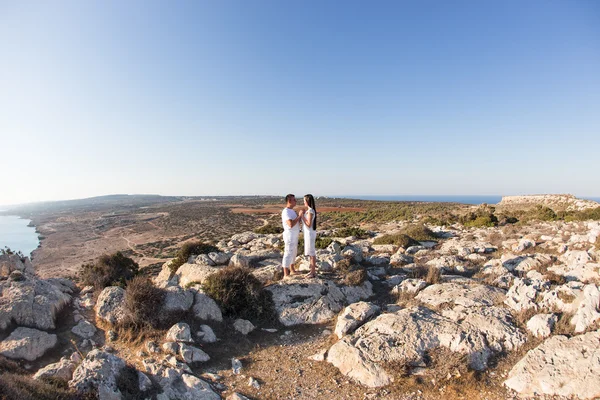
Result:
x=171 y=348
x=412 y=286
x=204 y=259
x=177 y=299
x=12 y=262
x=60 y=370
x=353 y=252
x=191 y=354
x=98 y=373
x=586 y=312
x=192 y=273
x=206 y=308
x=31 y=302
x=243 y=326
x=110 y=306
x=354 y=316
x=401 y=259
x=84 y=329
x=357 y=293
x=541 y=325
x=207 y=334
x=578 y=272
x=463 y=294
x=220 y=258
x=178 y=384
x=522 y=294
x=559 y=367
x=179 y=332
x=27 y=344
x=403 y=337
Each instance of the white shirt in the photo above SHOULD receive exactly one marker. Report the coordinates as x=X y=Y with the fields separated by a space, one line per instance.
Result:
x=309 y=228
x=289 y=214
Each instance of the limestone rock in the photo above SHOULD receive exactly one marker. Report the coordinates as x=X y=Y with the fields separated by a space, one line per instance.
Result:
x=313 y=301
x=191 y=354
x=31 y=302
x=110 y=306
x=354 y=316
x=180 y=332
x=462 y=294
x=98 y=373
x=412 y=286
x=587 y=308
x=189 y=273
x=243 y=326
x=560 y=367
x=521 y=295
x=177 y=299
x=59 y=370
x=541 y=325
x=171 y=348
x=353 y=252
x=206 y=308
x=401 y=259
x=403 y=337
x=220 y=258
x=84 y=329
x=27 y=344
x=208 y=335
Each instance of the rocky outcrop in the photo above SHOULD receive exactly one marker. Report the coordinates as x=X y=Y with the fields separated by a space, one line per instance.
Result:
x=354 y=316
x=98 y=373
x=62 y=369
x=560 y=367
x=566 y=202
x=110 y=306
x=27 y=344
x=313 y=301
x=31 y=302
x=460 y=294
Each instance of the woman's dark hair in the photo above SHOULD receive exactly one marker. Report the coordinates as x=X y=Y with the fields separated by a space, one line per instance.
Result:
x=311 y=203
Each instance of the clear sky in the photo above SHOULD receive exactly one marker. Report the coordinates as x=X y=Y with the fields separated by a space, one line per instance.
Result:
x=269 y=97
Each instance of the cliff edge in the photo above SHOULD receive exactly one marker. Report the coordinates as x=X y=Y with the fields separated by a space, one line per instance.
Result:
x=565 y=202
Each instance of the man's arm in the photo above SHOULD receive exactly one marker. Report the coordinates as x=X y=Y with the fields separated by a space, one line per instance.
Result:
x=292 y=222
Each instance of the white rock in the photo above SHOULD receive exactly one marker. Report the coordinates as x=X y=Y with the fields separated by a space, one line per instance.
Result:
x=410 y=286
x=59 y=370
x=208 y=335
x=171 y=348
x=560 y=367
x=84 y=329
x=236 y=366
x=462 y=294
x=204 y=259
x=191 y=354
x=220 y=258
x=541 y=325
x=98 y=373
x=27 y=344
x=521 y=295
x=354 y=316
x=587 y=308
x=177 y=299
x=243 y=326
x=179 y=332
x=110 y=306
x=206 y=308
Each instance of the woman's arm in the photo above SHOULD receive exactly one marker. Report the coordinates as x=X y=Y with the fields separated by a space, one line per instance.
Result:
x=307 y=219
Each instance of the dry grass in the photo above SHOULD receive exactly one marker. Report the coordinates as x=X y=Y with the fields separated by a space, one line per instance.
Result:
x=355 y=278
x=15 y=385
x=563 y=326
x=523 y=316
x=565 y=297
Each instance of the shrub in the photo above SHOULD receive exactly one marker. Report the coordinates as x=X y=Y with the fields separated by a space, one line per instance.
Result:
x=355 y=278
x=482 y=221
x=354 y=231
x=419 y=232
x=269 y=229
x=239 y=293
x=563 y=326
x=109 y=270
x=23 y=387
x=323 y=242
x=188 y=249
x=143 y=301
x=398 y=239
x=434 y=275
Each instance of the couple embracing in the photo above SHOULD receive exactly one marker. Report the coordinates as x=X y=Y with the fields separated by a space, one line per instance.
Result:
x=291 y=230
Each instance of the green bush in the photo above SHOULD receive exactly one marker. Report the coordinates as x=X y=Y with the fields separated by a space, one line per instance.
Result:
x=397 y=239
x=188 y=249
x=419 y=232
x=269 y=229
x=354 y=231
x=109 y=270
x=239 y=294
x=482 y=221
x=323 y=242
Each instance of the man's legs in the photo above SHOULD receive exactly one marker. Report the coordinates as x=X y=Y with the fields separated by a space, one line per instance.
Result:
x=290 y=250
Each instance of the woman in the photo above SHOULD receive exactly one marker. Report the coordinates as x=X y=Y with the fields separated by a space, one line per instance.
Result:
x=309 y=219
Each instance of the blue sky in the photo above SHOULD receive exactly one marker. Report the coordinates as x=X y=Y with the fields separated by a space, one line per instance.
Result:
x=270 y=97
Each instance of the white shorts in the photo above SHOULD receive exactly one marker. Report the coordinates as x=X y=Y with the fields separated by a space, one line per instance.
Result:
x=290 y=249
x=309 y=243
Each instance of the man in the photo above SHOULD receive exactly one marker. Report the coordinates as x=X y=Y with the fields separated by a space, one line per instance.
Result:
x=291 y=230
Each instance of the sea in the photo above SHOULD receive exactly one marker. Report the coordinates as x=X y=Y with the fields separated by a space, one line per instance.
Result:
x=16 y=235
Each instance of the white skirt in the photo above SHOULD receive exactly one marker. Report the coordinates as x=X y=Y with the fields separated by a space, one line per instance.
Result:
x=309 y=242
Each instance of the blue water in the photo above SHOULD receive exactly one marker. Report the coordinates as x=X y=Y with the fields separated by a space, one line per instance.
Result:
x=15 y=234
x=464 y=199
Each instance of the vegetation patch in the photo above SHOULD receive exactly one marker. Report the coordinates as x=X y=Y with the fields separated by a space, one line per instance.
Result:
x=356 y=277
x=323 y=242
x=269 y=229
x=397 y=239
x=143 y=302
x=109 y=270
x=419 y=232
x=353 y=231
x=188 y=249
x=239 y=294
